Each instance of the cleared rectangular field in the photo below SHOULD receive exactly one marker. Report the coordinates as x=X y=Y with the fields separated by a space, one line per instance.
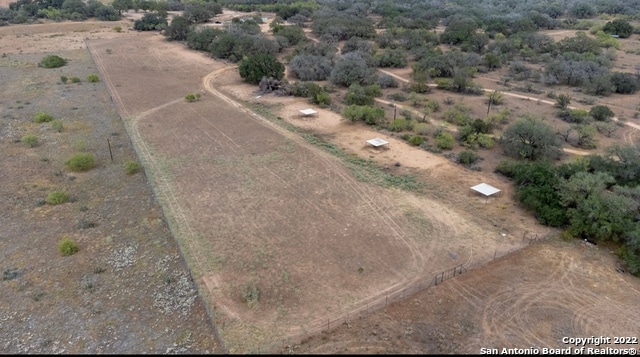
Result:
x=279 y=234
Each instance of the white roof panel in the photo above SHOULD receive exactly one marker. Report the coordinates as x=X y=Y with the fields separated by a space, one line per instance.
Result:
x=308 y=111
x=485 y=189
x=377 y=142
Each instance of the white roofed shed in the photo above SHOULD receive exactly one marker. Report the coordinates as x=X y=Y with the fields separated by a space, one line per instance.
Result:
x=485 y=189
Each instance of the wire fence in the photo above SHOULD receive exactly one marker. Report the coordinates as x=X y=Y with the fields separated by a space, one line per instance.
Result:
x=313 y=329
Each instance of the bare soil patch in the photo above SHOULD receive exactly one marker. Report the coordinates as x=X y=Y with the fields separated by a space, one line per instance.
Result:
x=530 y=299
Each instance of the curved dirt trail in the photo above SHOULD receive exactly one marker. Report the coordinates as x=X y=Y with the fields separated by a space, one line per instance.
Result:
x=418 y=258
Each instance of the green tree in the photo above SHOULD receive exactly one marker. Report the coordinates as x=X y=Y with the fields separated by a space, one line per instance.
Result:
x=253 y=68
x=625 y=83
x=536 y=188
x=76 y=9
x=618 y=27
x=197 y=12
x=580 y=43
x=458 y=31
x=600 y=85
x=478 y=41
x=445 y=141
x=601 y=113
x=623 y=162
x=122 y=5
x=582 y=11
x=149 y=22
x=531 y=138
x=419 y=81
x=178 y=30
x=30 y=140
x=358 y=96
x=586 y=136
x=596 y=211
x=201 y=39
x=351 y=68
x=52 y=61
x=293 y=34
x=563 y=100
x=368 y=114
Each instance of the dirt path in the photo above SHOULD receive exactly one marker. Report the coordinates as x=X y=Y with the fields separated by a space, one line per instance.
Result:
x=379 y=296
x=628 y=137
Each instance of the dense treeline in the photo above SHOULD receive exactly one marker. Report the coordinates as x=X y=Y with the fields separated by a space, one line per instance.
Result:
x=23 y=11
x=595 y=198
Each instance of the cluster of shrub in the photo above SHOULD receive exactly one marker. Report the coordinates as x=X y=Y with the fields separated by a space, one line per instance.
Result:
x=24 y=11
x=596 y=197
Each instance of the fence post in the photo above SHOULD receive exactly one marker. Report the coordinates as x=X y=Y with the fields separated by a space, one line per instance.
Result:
x=386 y=300
x=110 y=152
x=494 y=254
x=327 y=324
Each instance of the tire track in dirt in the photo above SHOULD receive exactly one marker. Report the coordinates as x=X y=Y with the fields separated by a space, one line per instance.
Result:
x=629 y=136
x=507 y=305
x=236 y=149
x=166 y=191
x=476 y=300
x=115 y=96
x=329 y=161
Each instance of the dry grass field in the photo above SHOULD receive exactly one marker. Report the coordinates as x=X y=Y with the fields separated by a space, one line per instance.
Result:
x=283 y=237
x=279 y=234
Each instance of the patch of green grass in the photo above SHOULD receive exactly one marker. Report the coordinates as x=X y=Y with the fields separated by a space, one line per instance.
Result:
x=192 y=97
x=57 y=197
x=57 y=125
x=81 y=162
x=80 y=145
x=416 y=140
x=68 y=247
x=131 y=167
x=29 y=140
x=42 y=117
x=251 y=295
x=52 y=61
x=84 y=224
x=367 y=171
x=93 y=78
x=363 y=170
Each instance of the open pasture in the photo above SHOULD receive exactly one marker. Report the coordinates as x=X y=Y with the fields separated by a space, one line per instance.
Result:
x=279 y=234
